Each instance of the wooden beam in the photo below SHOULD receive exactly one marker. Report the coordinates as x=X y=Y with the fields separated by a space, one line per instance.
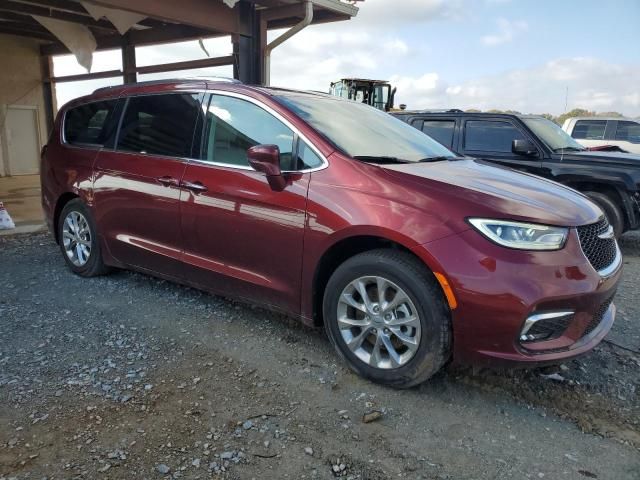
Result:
x=207 y=14
x=128 y=61
x=86 y=76
x=151 y=36
x=188 y=65
x=30 y=9
x=26 y=33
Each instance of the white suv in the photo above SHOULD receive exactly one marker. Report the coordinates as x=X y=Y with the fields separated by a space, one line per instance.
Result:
x=599 y=131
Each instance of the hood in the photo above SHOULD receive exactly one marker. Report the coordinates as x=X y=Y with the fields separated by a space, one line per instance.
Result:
x=614 y=158
x=478 y=189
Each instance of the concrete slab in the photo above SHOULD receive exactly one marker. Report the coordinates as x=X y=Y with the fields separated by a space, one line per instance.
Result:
x=21 y=198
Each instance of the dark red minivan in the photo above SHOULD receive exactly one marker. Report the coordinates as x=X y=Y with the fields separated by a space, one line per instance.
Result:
x=334 y=212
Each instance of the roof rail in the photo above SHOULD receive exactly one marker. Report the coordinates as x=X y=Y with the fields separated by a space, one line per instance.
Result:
x=172 y=80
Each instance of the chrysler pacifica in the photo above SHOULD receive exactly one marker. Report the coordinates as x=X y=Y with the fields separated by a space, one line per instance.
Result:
x=334 y=212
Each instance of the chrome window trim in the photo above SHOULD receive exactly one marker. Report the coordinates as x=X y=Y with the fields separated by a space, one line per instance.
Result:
x=258 y=103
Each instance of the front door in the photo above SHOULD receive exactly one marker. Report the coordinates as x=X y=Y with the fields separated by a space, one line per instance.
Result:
x=241 y=237
x=492 y=140
x=137 y=185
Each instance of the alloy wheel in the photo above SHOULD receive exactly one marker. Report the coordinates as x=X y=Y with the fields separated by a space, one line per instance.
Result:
x=378 y=322
x=76 y=238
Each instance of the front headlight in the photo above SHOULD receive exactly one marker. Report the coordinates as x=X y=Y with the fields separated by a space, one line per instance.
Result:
x=523 y=236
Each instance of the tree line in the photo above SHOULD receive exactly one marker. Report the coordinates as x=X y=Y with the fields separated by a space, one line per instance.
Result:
x=576 y=112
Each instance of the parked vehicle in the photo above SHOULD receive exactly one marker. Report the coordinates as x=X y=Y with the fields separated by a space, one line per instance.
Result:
x=598 y=131
x=377 y=93
x=538 y=146
x=337 y=213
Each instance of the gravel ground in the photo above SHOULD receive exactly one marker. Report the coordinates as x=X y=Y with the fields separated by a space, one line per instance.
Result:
x=127 y=376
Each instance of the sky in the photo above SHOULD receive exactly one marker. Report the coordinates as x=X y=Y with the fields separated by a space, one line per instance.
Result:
x=534 y=56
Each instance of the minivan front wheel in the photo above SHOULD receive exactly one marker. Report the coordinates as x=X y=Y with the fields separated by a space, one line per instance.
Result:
x=385 y=315
x=79 y=241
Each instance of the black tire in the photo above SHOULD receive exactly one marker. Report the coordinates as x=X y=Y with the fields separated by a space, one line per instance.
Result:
x=612 y=211
x=409 y=274
x=94 y=265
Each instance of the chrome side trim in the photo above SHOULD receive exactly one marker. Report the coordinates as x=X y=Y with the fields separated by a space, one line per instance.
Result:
x=532 y=319
x=607 y=234
x=615 y=265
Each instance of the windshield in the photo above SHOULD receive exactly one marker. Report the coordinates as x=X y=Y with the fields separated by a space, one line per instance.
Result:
x=551 y=134
x=363 y=131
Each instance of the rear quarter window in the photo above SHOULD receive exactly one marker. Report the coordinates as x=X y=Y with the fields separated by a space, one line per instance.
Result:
x=90 y=124
x=589 y=129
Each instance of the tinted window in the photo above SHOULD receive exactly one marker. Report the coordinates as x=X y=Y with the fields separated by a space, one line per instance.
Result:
x=159 y=124
x=629 y=131
x=90 y=124
x=440 y=130
x=589 y=129
x=307 y=158
x=490 y=136
x=233 y=126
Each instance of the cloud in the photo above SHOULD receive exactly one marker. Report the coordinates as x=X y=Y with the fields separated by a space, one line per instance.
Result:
x=318 y=56
x=593 y=83
x=403 y=12
x=507 y=30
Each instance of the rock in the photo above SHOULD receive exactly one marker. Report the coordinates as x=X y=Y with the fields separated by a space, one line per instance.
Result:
x=308 y=451
x=247 y=425
x=226 y=455
x=195 y=463
x=106 y=467
x=163 y=469
x=372 y=416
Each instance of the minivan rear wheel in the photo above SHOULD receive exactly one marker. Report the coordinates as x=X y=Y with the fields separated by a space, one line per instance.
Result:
x=78 y=240
x=386 y=316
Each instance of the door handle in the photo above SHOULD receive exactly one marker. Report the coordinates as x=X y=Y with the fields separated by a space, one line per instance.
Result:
x=195 y=187
x=168 y=181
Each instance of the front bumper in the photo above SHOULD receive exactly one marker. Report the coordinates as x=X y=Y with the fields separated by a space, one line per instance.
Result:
x=498 y=288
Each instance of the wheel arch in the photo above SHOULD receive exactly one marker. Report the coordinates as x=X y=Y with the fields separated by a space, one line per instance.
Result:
x=339 y=252
x=615 y=193
x=60 y=204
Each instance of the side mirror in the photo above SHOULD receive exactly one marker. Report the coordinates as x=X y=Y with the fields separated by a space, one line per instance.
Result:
x=266 y=159
x=523 y=147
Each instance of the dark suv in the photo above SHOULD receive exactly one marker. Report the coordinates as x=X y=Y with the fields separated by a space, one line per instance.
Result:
x=536 y=145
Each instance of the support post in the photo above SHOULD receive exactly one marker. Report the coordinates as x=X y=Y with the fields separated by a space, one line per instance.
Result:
x=48 y=92
x=128 y=61
x=247 y=47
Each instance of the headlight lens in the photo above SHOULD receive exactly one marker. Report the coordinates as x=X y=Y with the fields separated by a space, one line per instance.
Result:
x=523 y=236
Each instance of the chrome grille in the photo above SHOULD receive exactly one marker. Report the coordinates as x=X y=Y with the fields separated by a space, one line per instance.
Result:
x=601 y=252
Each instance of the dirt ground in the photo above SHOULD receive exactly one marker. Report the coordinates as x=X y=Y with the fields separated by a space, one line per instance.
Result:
x=127 y=376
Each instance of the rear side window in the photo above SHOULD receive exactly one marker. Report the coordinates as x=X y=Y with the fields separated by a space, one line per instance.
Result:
x=233 y=126
x=490 y=136
x=628 y=131
x=159 y=124
x=90 y=124
x=440 y=130
x=589 y=129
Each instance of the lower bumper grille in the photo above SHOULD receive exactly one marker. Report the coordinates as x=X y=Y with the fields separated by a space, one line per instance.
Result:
x=597 y=318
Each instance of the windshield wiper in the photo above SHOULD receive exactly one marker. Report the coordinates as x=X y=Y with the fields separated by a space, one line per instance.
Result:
x=438 y=158
x=570 y=149
x=380 y=159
